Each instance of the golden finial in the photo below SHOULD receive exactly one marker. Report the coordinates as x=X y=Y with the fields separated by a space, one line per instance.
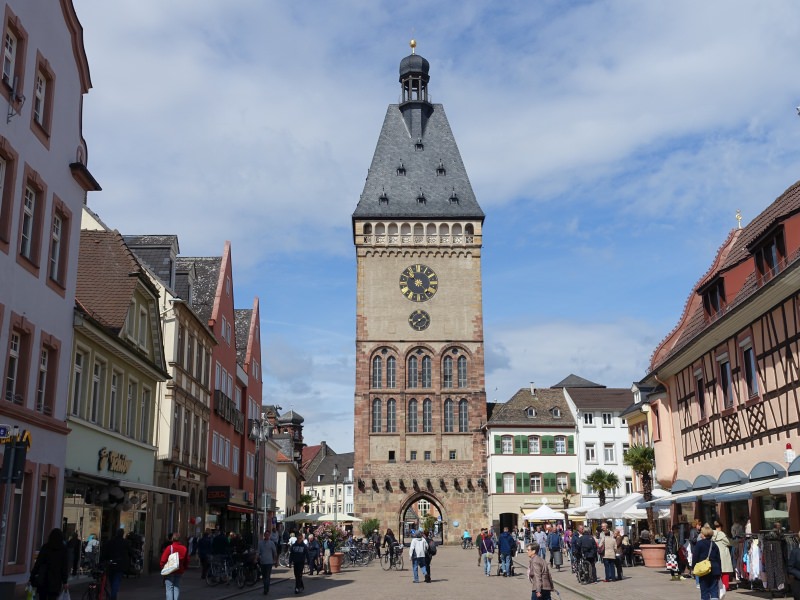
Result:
x=739 y=217
x=413 y=44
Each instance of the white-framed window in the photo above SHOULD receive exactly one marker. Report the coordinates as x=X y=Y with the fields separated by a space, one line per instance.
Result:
x=144 y=423
x=235 y=467
x=218 y=376
x=562 y=481
x=41 y=383
x=534 y=445
x=12 y=367
x=142 y=327
x=608 y=419
x=215 y=448
x=609 y=454
x=530 y=412
x=561 y=444
x=28 y=222
x=628 y=485
x=39 y=91
x=113 y=401
x=98 y=386
x=508 y=483
x=133 y=397
x=625 y=447
x=536 y=483
x=750 y=371
x=507 y=444
x=588 y=419
x=377 y=372
x=9 y=56
x=227 y=453
x=556 y=412
x=77 y=382
x=590 y=452
x=54 y=269
x=130 y=322
x=452 y=454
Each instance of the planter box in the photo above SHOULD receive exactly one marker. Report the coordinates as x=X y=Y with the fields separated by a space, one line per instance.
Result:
x=653 y=555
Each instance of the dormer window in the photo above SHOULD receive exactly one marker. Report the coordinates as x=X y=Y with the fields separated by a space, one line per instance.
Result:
x=401 y=170
x=556 y=412
x=440 y=170
x=453 y=197
x=770 y=255
x=714 y=298
x=383 y=198
x=421 y=198
x=419 y=146
x=530 y=412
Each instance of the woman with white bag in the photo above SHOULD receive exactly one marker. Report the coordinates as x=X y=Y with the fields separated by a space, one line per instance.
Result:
x=174 y=561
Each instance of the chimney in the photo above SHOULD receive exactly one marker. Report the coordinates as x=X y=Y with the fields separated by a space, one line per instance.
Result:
x=533 y=388
x=323 y=448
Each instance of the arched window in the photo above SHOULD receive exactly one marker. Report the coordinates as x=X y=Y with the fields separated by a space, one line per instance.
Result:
x=391 y=372
x=427 y=415
x=413 y=372
x=447 y=372
x=376 y=415
x=463 y=417
x=462 y=371
x=391 y=416
x=377 y=371
x=412 y=416
x=448 y=415
x=426 y=371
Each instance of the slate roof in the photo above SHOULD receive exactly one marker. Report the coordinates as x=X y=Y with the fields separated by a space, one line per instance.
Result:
x=573 y=381
x=155 y=251
x=735 y=250
x=241 y=319
x=325 y=467
x=597 y=398
x=513 y=411
x=107 y=276
x=205 y=287
x=290 y=417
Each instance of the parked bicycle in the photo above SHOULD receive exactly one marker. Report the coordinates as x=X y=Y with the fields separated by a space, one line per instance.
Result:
x=245 y=569
x=393 y=559
x=467 y=543
x=218 y=571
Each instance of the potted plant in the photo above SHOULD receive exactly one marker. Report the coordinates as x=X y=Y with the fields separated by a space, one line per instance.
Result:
x=335 y=535
x=642 y=459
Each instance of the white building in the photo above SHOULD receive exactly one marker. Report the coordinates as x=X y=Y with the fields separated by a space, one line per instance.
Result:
x=531 y=455
x=43 y=184
x=602 y=433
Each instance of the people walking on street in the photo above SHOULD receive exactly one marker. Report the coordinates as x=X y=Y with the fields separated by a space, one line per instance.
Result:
x=538 y=574
x=172 y=582
x=619 y=552
x=724 y=545
x=267 y=557
x=707 y=549
x=376 y=542
x=554 y=544
x=117 y=553
x=671 y=555
x=314 y=552
x=417 y=552
x=204 y=552
x=505 y=545
x=540 y=537
x=429 y=555
x=50 y=572
x=487 y=552
x=481 y=535
x=92 y=551
x=585 y=547
x=298 y=557
x=74 y=552
x=608 y=550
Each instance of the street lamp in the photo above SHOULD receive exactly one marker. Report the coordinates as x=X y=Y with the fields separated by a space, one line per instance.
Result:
x=258 y=433
x=335 y=496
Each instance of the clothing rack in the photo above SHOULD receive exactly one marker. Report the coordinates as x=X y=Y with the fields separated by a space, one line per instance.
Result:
x=763 y=567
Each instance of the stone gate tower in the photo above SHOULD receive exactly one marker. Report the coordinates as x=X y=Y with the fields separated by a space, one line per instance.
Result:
x=420 y=398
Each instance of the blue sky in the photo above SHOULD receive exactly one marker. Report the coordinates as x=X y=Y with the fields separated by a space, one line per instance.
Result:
x=609 y=144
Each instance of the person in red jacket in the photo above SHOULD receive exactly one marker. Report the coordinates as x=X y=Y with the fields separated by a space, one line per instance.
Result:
x=172 y=582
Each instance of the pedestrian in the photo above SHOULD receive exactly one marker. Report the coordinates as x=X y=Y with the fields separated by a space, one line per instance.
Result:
x=74 y=552
x=204 y=552
x=172 y=582
x=487 y=552
x=505 y=545
x=608 y=550
x=417 y=552
x=91 y=551
x=50 y=572
x=376 y=543
x=724 y=545
x=540 y=537
x=314 y=552
x=671 y=554
x=165 y=543
x=267 y=557
x=793 y=567
x=429 y=555
x=554 y=545
x=481 y=535
x=298 y=557
x=538 y=574
x=117 y=553
x=707 y=549
x=390 y=542
x=327 y=550
x=694 y=537
x=585 y=547
x=618 y=557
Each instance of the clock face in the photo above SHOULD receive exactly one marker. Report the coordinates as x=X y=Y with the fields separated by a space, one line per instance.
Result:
x=419 y=320
x=418 y=283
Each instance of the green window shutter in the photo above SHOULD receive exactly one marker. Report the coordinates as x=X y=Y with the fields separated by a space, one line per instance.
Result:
x=517 y=444
x=498 y=477
x=526 y=483
x=548 y=482
x=518 y=489
x=548 y=444
x=571 y=444
x=524 y=439
x=498 y=445
x=573 y=482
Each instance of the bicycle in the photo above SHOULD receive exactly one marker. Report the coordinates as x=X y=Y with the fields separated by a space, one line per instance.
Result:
x=218 y=571
x=100 y=586
x=583 y=570
x=467 y=544
x=393 y=559
x=284 y=558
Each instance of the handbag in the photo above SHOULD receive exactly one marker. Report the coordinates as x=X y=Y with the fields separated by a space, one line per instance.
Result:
x=703 y=567
x=172 y=564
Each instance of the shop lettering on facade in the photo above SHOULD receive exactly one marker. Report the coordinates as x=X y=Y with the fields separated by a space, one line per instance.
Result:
x=226 y=409
x=113 y=461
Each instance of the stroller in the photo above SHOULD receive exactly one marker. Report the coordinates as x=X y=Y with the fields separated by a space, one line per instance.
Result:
x=510 y=563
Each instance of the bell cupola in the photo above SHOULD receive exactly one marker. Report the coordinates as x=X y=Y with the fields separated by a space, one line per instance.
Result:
x=415 y=103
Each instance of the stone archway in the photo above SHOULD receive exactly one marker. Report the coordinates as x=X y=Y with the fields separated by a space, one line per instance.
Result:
x=413 y=511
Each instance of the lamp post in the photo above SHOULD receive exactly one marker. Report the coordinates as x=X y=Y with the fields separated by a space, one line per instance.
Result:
x=258 y=432
x=335 y=496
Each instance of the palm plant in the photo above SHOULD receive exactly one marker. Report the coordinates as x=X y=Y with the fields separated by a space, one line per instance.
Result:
x=304 y=501
x=602 y=481
x=642 y=459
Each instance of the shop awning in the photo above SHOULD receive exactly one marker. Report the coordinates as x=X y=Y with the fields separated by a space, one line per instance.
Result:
x=135 y=485
x=620 y=507
x=239 y=509
x=667 y=501
x=787 y=485
x=743 y=491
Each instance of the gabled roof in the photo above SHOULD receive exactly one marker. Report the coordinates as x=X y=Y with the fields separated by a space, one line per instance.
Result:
x=205 y=287
x=108 y=273
x=157 y=252
x=600 y=398
x=513 y=412
x=573 y=381
x=342 y=461
x=395 y=145
x=242 y=318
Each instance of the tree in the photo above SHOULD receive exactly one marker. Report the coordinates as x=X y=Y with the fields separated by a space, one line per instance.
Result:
x=602 y=481
x=369 y=525
x=642 y=459
x=304 y=501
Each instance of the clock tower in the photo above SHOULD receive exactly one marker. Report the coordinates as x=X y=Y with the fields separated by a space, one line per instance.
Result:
x=420 y=398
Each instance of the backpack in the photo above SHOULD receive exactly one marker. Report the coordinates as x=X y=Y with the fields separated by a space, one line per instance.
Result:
x=432 y=548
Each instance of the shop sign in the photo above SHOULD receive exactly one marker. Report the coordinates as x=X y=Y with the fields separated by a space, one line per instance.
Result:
x=218 y=494
x=112 y=461
x=7 y=435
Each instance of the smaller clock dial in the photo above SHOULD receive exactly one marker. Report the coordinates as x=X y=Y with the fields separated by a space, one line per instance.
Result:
x=418 y=283
x=419 y=320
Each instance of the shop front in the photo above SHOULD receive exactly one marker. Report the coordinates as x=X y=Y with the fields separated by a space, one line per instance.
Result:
x=229 y=509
